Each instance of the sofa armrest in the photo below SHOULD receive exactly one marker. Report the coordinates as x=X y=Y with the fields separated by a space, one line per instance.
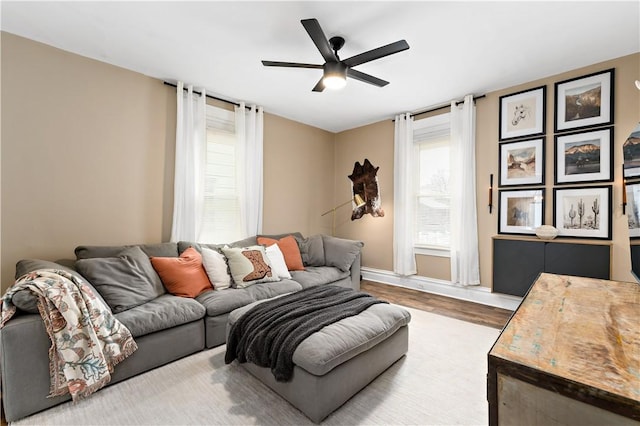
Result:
x=24 y=345
x=355 y=273
x=345 y=255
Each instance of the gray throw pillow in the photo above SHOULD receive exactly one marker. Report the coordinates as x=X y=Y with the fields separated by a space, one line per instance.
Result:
x=339 y=252
x=125 y=281
x=151 y=250
x=183 y=245
x=311 y=250
x=25 y=300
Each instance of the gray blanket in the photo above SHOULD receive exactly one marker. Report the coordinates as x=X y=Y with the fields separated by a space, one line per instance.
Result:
x=269 y=333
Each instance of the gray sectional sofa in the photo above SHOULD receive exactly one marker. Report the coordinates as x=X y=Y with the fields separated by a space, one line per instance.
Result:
x=165 y=327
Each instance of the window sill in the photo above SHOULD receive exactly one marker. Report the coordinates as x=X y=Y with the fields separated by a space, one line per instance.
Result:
x=432 y=251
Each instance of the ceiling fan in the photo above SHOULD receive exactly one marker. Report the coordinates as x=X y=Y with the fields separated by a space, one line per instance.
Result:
x=336 y=70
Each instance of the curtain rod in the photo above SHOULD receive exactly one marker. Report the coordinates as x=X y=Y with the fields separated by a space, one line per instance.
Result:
x=441 y=107
x=208 y=96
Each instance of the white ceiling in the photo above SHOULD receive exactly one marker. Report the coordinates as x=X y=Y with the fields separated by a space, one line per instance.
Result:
x=457 y=48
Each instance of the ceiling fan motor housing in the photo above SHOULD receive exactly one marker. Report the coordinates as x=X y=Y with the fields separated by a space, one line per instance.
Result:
x=337 y=69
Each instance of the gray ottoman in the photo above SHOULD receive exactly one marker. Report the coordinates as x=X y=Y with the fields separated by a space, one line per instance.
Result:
x=334 y=363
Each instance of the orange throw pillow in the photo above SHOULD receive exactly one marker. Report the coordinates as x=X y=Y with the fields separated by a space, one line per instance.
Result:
x=289 y=248
x=183 y=276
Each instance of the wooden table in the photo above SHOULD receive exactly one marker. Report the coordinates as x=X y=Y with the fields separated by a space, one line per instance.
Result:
x=570 y=354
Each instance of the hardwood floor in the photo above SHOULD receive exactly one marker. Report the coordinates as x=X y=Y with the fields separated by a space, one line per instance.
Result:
x=454 y=308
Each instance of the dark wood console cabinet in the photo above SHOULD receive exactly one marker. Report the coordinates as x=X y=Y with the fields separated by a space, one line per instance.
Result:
x=517 y=262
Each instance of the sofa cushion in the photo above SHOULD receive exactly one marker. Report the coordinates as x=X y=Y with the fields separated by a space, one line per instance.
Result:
x=215 y=264
x=25 y=300
x=339 y=252
x=159 y=249
x=338 y=342
x=289 y=247
x=225 y=301
x=124 y=281
x=183 y=245
x=246 y=242
x=311 y=250
x=183 y=276
x=317 y=275
x=161 y=313
x=249 y=265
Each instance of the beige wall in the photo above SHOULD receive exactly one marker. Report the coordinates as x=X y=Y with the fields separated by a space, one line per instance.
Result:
x=376 y=143
x=88 y=151
x=83 y=153
x=298 y=177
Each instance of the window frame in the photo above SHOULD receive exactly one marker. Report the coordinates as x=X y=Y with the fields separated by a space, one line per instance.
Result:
x=435 y=126
x=221 y=121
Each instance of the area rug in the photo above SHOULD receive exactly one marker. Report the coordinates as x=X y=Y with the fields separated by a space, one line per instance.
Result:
x=441 y=380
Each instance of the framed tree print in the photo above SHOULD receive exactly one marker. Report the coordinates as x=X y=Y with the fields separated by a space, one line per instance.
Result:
x=522 y=163
x=520 y=211
x=633 y=209
x=583 y=212
x=523 y=114
x=584 y=102
x=584 y=157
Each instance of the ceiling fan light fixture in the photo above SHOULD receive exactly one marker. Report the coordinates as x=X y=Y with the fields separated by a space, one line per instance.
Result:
x=335 y=75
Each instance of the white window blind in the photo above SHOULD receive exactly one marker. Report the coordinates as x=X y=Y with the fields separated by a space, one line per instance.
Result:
x=431 y=137
x=221 y=221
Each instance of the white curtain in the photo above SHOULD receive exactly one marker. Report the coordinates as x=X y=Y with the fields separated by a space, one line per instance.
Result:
x=191 y=142
x=404 y=260
x=465 y=269
x=249 y=131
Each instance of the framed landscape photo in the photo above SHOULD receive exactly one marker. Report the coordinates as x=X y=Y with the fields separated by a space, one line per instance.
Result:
x=520 y=211
x=631 y=153
x=584 y=157
x=583 y=212
x=584 y=101
x=522 y=163
x=633 y=209
x=523 y=114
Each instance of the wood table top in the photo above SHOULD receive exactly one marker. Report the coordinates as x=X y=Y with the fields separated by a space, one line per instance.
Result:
x=581 y=329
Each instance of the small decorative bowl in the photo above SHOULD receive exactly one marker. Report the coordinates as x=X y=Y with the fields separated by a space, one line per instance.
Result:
x=546 y=232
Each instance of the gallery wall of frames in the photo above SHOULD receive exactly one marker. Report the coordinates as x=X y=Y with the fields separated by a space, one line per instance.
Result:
x=582 y=144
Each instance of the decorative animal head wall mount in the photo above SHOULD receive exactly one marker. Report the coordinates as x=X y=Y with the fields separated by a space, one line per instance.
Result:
x=364 y=180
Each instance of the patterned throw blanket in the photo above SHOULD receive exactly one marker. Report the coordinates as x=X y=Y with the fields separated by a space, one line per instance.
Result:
x=269 y=333
x=86 y=340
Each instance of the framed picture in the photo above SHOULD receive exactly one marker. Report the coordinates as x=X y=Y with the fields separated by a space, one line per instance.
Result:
x=583 y=212
x=584 y=157
x=631 y=153
x=633 y=209
x=520 y=211
x=523 y=114
x=522 y=163
x=584 y=101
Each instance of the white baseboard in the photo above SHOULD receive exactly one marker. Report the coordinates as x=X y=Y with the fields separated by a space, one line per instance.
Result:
x=475 y=294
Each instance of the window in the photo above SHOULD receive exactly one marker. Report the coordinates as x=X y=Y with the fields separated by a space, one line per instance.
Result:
x=431 y=137
x=221 y=200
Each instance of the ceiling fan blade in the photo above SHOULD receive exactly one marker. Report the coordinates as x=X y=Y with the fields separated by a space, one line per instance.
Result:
x=320 y=86
x=319 y=39
x=290 y=64
x=357 y=75
x=378 y=53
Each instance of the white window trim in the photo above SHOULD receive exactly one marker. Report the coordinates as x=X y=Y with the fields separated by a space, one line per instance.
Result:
x=432 y=250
